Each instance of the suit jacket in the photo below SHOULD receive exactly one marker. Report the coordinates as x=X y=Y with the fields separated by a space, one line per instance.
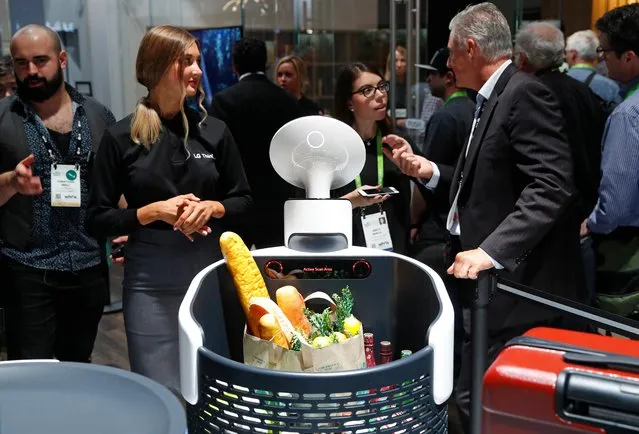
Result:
x=585 y=121
x=517 y=197
x=254 y=109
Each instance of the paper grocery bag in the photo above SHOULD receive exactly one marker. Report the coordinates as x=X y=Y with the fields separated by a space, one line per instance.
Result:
x=341 y=356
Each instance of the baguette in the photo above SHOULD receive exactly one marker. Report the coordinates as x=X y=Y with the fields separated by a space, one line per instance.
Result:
x=292 y=304
x=246 y=275
x=270 y=330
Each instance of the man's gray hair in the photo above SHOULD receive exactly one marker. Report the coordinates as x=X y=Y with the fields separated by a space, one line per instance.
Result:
x=486 y=25
x=543 y=44
x=585 y=43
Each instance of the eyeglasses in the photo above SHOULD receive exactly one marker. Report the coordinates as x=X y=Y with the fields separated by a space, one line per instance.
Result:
x=602 y=51
x=368 y=91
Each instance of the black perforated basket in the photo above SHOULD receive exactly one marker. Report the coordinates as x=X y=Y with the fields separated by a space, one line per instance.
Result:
x=225 y=395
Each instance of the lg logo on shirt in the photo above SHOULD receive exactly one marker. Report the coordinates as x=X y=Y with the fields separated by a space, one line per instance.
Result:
x=204 y=156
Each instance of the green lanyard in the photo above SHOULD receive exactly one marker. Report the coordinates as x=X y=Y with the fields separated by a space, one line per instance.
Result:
x=380 y=163
x=583 y=66
x=631 y=91
x=454 y=95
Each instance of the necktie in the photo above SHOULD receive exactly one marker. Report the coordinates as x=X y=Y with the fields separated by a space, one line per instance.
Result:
x=481 y=101
x=479 y=106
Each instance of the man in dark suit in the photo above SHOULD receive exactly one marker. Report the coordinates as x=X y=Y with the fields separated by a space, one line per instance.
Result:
x=513 y=196
x=539 y=50
x=254 y=109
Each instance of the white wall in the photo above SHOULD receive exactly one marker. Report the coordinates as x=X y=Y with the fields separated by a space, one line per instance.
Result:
x=5 y=26
x=72 y=12
x=115 y=31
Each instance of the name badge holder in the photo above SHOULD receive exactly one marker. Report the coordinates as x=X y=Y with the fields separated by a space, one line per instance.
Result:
x=375 y=225
x=376 y=231
x=66 y=191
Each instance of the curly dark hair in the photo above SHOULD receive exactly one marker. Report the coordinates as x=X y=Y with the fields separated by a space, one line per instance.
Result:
x=249 y=55
x=621 y=26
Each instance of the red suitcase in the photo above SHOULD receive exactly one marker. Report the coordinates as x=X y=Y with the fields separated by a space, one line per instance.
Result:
x=554 y=381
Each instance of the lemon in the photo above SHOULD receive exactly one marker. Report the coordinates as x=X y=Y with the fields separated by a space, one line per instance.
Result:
x=322 y=341
x=352 y=326
x=339 y=337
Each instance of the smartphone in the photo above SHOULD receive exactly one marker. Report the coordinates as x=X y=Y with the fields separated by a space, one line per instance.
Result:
x=117 y=250
x=368 y=192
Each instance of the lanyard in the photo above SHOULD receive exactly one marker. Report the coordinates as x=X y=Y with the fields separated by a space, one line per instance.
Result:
x=454 y=95
x=583 y=66
x=76 y=132
x=632 y=90
x=380 y=163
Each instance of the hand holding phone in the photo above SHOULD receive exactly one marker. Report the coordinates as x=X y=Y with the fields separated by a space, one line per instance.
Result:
x=117 y=250
x=376 y=191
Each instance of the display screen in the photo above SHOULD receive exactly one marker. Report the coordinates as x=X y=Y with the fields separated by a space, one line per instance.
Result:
x=314 y=269
x=216 y=46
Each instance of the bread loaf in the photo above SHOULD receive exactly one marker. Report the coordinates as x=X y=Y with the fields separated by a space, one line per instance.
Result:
x=246 y=275
x=292 y=304
x=270 y=330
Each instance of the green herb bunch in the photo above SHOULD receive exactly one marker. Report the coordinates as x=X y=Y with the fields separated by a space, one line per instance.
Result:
x=328 y=328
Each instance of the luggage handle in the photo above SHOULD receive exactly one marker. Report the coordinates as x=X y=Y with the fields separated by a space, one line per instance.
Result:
x=604 y=360
x=597 y=400
x=487 y=285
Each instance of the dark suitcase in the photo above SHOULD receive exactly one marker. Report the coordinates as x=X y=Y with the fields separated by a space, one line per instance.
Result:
x=558 y=381
x=554 y=381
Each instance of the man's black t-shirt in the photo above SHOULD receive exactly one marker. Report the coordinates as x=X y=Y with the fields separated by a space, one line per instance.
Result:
x=62 y=141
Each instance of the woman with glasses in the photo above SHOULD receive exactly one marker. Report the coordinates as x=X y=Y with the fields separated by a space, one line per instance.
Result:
x=361 y=99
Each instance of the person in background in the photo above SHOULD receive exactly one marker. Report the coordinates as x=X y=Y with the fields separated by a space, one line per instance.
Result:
x=618 y=203
x=361 y=98
x=420 y=89
x=430 y=105
x=512 y=193
x=445 y=137
x=254 y=109
x=7 y=78
x=581 y=55
x=54 y=273
x=615 y=217
x=539 y=50
x=182 y=178
x=291 y=75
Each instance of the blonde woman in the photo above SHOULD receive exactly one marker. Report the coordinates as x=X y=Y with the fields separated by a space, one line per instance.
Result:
x=400 y=76
x=181 y=175
x=422 y=89
x=291 y=76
